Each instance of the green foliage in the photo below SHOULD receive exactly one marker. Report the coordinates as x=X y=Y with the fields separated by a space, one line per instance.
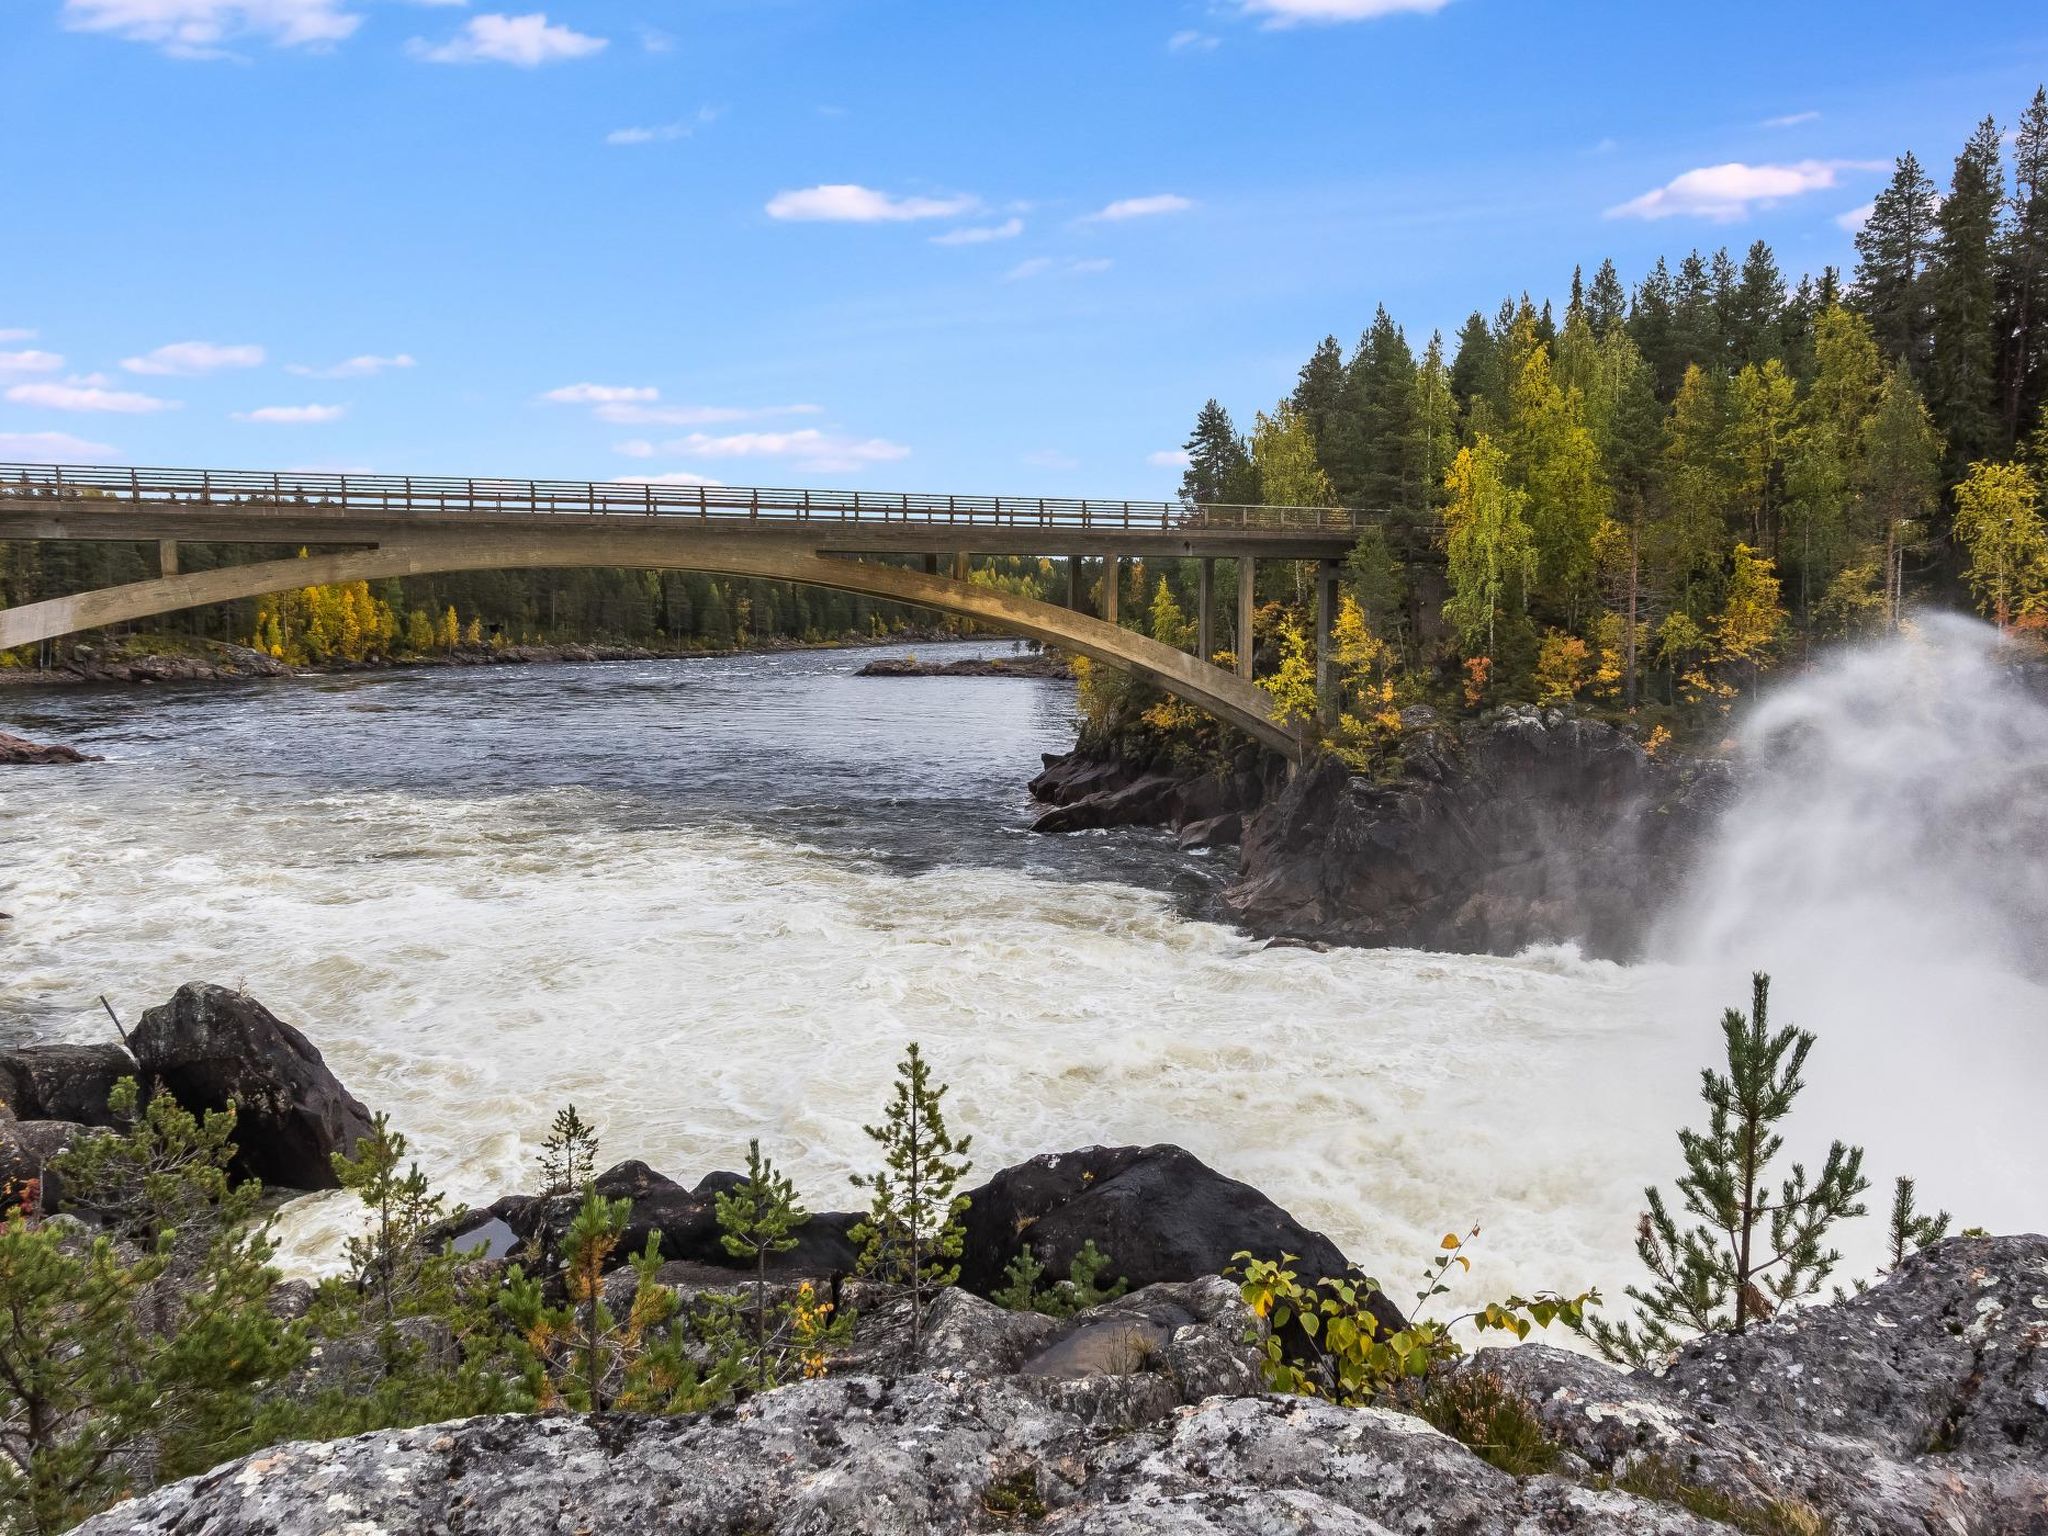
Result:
x=1751 y=1251
x=1351 y=1356
x=1911 y=1230
x=1081 y=1289
x=568 y=1156
x=913 y=1234
x=755 y=1221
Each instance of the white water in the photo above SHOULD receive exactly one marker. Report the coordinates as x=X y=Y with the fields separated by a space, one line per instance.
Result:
x=712 y=902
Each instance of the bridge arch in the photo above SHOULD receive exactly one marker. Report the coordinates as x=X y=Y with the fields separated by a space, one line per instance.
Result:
x=1209 y=688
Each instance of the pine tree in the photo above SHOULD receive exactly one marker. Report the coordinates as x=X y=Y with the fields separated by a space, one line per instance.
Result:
x=1910 y=1230
x=1752 y=1251
x=1319 y=390
x=1756 y=310
x=1962 y=382
x=1893 y=249
x=1219 y=468
x=756 y=1218
x=2023 y=276
x=1477 y=382
x=1606 y=300
x=912 y=1235
x=1652 y=326
x=568 y=1155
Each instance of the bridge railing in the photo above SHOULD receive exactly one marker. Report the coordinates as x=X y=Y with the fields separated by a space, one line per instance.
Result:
x=415 y=494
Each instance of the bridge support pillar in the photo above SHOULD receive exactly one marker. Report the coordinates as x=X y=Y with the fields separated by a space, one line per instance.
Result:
x=1327 y=572
x=962 y=564
x=167 y=557
x=931 y=565
x=1205 y=612
x=1247 y=593
x=1112 y=578
x=1074 y=583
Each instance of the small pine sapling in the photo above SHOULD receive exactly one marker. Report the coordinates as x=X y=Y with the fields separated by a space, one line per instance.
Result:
x=1081 y=1289
x=913 y=1232
x=1752 y=1250
x=756 y=1218
x=568 y=1157
x=1910 y=1230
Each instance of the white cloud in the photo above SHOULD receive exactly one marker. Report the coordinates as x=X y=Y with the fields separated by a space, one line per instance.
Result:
x=1791 y=120
x=625 y=414
x=808 y=448
x=51 y=448
x=364 y=367
x=1294 y=13
x=981 y=234
x=673 y=477
x=17 y=335
x=76 y=397
x=1168 y=458
x=187 y=358
x=848 y=203
x=524 y=41
x=1142 y=208
x=663 y=133
x=1724 y=193
x=1191 y=41
x=1051 y=458
x=30 y=361
x=601 y=394
x=201 y=29
x=1856 y=218
x=293 y=415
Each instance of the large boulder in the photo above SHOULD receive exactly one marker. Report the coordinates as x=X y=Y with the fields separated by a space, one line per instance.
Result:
x=1160 y=1213
x=1094 y=787
x=17 y=752
x=63 y=1082
x=211 y=1046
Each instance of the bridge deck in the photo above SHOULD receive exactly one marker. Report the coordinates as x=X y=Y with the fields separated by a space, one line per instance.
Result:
x=104 y=502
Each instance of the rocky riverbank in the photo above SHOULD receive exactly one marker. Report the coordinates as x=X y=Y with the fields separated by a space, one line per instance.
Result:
x=1920 y=1405
x=1526 y=826
x=1039 y=664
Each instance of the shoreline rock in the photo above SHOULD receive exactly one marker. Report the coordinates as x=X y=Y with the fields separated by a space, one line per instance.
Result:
x=1036 y=664
x=16 y=752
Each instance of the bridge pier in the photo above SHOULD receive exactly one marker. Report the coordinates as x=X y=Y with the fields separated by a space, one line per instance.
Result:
x=1327 y=573
x=1112 y=577
x=167 y=557
x=1074 y=583
x=1205 y=611
x=1247 y=593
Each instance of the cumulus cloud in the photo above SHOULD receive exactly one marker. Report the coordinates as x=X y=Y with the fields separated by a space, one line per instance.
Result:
x=367 y=366
x=1191 y=41
x=1168 y=458
x=1791 y=120
x=293 y=415
x=849 y=203
x=51 y=448
x=524 y=41
x=88 y=397
x=1142 y=208
x=1295 y=13
x=29 y=360
x=202 y=29
x=190 y=358
x=808 y=448
x=1724 y=193
x=981 y=234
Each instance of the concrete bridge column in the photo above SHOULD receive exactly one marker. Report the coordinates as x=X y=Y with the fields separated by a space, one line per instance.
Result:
x=1205 y=612
x=931 y=565
x=962 y=564
x=1112 y=578
x=1327 y=572
x=167 y=557
x=1247 y=593
x=1074 y=583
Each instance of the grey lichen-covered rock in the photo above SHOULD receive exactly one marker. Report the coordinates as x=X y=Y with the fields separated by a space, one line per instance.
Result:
x=920 y=1456
x=1921 y=1405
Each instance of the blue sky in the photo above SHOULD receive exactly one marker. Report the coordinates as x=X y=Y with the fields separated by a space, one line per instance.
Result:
x=966 y=246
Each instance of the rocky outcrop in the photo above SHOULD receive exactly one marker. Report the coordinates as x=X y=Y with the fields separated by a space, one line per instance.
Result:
x=1160 y=1213
x=210 y=1046
x=17 y=752
x=62 y=1082
x=1920 y=1406
x=1206 y=808
x=197 y=661
x=1039 y=664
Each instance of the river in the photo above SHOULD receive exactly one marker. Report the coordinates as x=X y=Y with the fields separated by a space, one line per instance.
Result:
x=711 y=900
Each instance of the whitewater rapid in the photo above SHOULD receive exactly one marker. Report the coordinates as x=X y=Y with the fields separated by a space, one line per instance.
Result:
x=706 y=902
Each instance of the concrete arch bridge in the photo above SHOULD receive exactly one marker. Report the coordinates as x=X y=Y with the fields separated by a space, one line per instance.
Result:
x=379 y=526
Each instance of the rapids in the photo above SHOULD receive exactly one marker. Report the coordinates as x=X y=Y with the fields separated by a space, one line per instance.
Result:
x=711 y=900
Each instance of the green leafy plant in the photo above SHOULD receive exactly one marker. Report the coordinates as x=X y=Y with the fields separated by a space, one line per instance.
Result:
x=1751 y=1250
x=1081 y=1289
x=1351 y=1356
x=912 y=1235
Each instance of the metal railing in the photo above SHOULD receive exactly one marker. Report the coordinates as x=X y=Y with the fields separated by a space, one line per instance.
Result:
x=414 y=494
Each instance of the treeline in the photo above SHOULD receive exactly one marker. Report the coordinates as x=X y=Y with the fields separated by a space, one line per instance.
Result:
x=660 y=610
x=1661 y=491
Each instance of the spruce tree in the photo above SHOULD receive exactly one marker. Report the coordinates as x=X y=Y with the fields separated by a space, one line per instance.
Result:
x=1756 y=310
x=1382 y=399
x=1319 y=389
x=1476 y=380
x=1653 y=327
x=2023 y=276
x=1219 y=466
x=912 y=1235
x=1606 y=299
x=1893 y=249
x=1962 y=386
x=1752 y=1250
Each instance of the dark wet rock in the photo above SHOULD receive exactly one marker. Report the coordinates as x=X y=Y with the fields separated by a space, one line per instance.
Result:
x=1534 y=826
x=1040 y=664
x=63 y=1082
x=19 y=753
x=26 y=1147
x=211 y=1046
x=1160 y=1213
x=1092 y=788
